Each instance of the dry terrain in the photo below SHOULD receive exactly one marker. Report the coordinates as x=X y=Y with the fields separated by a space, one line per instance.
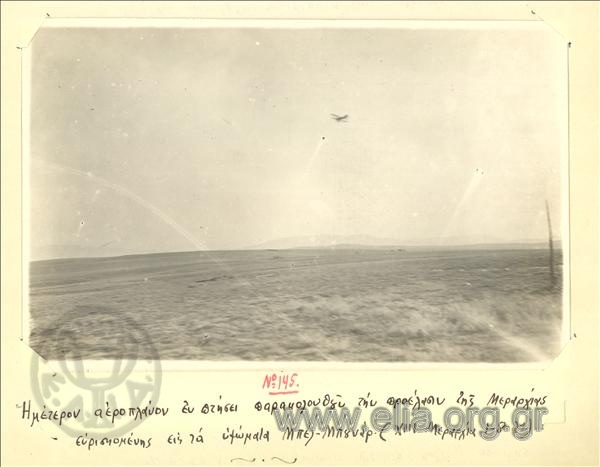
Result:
x=381 y=305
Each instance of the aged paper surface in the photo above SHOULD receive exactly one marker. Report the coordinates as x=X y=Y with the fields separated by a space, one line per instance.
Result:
x=153 y=356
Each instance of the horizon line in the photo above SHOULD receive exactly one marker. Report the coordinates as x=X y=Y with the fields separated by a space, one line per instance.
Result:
x=464 y=246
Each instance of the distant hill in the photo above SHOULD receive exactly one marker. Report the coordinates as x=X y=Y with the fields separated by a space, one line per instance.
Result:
x=354 y=242
x=352 y=246
x=326 y=241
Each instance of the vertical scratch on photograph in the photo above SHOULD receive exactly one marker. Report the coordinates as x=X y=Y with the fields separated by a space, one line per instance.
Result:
x=471 y=187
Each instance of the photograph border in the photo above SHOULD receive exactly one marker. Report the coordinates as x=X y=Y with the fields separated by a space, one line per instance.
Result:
x=405 y=24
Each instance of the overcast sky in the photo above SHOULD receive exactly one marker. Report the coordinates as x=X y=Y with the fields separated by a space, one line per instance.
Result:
x=148 y=140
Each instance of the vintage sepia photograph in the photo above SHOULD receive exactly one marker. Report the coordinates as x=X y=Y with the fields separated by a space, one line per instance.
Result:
x=318 y=191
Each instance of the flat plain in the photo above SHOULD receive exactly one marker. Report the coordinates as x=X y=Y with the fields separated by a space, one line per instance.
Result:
x=345 y=305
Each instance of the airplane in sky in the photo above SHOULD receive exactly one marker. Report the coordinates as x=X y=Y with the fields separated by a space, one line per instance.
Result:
x=339 y=118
